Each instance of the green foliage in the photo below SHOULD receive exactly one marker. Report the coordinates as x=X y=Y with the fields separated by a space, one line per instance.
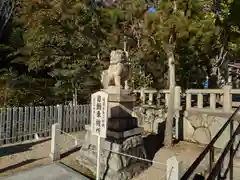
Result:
x=64 y=41
x=53 y=48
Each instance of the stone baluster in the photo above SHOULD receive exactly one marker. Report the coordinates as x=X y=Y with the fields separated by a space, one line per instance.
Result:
x=142 y=96
x=200 y=100
x=227 y=99
x=213 y=101
x=188 y=100
x=150 y=99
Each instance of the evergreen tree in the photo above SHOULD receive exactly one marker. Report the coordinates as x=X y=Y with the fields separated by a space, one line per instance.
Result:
x=65 y=40
x=52 y=48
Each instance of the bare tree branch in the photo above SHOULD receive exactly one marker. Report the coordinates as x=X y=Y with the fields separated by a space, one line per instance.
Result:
x=6 y=11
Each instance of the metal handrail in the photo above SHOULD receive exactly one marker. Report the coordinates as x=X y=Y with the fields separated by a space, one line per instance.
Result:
x=209 y=149
x=217 y=168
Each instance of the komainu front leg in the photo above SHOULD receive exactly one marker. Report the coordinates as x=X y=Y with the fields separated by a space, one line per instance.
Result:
x=126 y=85
x=117 y=81
x=104 y=79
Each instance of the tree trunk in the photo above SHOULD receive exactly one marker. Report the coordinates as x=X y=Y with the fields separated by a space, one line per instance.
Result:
x=171 y=110
x=172 y=82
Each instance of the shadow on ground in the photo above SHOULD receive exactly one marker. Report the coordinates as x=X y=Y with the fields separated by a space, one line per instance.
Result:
x=18 y=165
x=153 y=142
x=78 y=171
x=13 y=149
x=67 y=153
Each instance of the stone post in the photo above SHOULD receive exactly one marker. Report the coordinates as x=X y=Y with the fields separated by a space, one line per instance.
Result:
x=174 y=169
x=55 y=148
x=227 y=98
x=177 y=97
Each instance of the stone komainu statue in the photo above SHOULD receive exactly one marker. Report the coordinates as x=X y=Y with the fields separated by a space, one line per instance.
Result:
x=118 y=72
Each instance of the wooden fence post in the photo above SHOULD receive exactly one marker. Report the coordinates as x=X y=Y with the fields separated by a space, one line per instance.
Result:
x=174 y=169
x=2 y=125
x=55 y=146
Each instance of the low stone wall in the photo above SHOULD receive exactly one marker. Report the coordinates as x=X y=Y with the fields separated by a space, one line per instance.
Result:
x=201 y=127
x=198 y=126
x=150 y=118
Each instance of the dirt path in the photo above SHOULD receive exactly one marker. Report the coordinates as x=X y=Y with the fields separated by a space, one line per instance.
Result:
x=20 y=157
x=185 y=152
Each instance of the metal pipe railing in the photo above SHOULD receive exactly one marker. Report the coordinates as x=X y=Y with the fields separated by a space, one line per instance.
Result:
x=216 y=171
x=210 y=148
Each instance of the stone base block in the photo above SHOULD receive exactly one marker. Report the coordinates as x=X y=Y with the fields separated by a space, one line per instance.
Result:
x=112 y=135
x=122 y=124
x=120 y=102
x=124 y=134
x=120 y=109
x=117 y=94
x=114 y=165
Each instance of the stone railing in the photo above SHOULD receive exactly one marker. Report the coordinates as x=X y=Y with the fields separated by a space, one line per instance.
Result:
x=157 y=98
x=236 y=97
x=151 y=109
x=204 y=112
x=211 y=99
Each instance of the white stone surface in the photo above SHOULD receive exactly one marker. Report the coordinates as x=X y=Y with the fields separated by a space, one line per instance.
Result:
x=202 y=135
x=216 y=126
x=195 y=120
x=174 y=168
x=188 y=130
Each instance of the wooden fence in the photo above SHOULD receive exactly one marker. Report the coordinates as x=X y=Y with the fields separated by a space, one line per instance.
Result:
x=25 y=123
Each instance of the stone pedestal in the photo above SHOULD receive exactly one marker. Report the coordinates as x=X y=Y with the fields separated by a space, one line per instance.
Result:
x=123 y=137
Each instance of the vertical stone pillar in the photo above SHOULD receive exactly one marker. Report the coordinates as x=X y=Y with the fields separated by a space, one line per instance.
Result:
x=55 y=148
x=167 y=98
x=177 y=97
x=177 y=106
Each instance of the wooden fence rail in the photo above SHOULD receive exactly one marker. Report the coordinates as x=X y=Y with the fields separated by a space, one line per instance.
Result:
x=24 y=123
